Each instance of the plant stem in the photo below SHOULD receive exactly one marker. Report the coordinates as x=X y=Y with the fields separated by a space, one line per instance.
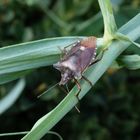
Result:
x=110 y=27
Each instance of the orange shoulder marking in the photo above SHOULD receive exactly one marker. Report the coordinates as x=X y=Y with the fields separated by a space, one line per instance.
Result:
x=89 y=42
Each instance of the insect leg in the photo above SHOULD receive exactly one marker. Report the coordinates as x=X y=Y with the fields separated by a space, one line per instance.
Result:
x=86 y=79
x=67 y=93
x=94 y=62
x=79 y=88
x=97 y=59
x=72 y=44
x=63 y=89
x=63 y=52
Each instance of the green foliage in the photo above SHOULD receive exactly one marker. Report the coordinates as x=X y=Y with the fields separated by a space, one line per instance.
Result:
x=130 y=61
x=92 y=74
x=111 y=109
x=21 y=57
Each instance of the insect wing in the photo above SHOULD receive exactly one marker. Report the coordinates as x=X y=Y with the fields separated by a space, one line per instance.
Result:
x=85 y=58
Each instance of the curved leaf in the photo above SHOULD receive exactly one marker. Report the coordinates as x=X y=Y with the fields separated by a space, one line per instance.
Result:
x=12 y=96
x=130 y=61
x=32 y=54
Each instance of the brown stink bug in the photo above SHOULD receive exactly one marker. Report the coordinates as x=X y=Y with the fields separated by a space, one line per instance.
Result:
x=76 y=61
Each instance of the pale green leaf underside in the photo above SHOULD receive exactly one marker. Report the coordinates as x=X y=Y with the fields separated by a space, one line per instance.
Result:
x=14 y=60
x=130 y=61
x=33 y=54
x=12 y=96
x=125 y=38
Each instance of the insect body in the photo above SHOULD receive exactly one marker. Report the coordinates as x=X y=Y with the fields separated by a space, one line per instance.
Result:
x=76 y=61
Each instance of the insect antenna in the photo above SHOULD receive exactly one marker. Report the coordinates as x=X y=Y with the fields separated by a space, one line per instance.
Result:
x=48 y=90
x=62 y=88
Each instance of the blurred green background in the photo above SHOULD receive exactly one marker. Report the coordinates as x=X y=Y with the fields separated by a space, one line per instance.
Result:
x=110 y=111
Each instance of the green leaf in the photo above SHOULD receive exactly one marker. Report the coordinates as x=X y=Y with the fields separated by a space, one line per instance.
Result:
x=130 y=61
x=25 y=132
x=95 y=22
x=18 y=60
x=123 y=37
x=4 y=78
x=110 y=27
x=33 y=54
x=12 y=96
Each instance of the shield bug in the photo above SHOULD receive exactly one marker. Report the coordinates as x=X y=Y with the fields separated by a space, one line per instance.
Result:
x=76 y=61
